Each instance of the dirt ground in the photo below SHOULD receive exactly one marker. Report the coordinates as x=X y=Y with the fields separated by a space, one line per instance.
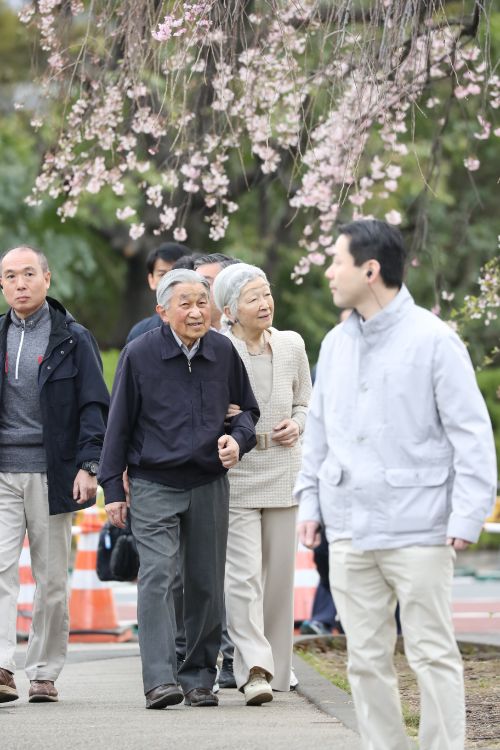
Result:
x=482 y=685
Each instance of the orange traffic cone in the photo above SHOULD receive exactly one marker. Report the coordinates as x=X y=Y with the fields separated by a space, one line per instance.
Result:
x=306 y=581
x=26 y=592
x=92 y=609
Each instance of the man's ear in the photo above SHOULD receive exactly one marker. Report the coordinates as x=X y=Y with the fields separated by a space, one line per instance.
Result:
x=47 y=279
x=162 y=312
x=152 y=283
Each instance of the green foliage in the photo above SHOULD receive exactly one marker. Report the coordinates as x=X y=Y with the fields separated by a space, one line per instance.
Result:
x=87 y=276
x=109 y=362
x=15 y=47
x=489 y=383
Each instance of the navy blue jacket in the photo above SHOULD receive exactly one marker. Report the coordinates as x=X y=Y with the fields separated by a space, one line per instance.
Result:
x=74 y=403
x=166 y=416
x=148 y=324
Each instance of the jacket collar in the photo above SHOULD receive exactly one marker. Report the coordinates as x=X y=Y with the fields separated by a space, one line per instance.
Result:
x=170 y=348
x=383 y=321
x=60 y=318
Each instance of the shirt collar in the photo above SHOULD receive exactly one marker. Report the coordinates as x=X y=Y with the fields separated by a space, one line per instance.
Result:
x=383 y=320
x=188 y=352
x=32 y=320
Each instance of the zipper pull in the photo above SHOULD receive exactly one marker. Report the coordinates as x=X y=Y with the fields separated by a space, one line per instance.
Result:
x=189 y=363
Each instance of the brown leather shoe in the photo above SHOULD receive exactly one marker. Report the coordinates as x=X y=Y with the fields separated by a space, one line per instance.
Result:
x=43 y=691
x=201 y=697
x=164 y=695
x=8 y=690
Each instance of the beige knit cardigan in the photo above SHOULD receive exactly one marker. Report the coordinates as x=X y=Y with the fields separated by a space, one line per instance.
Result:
x=265 y=478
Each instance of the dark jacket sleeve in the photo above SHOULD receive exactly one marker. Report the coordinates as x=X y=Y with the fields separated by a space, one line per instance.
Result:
x=242 y=426
x=93 y=399
x=125 y=404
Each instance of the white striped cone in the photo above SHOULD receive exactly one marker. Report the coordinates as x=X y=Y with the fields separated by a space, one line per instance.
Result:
x=26 y=591
x=305 y=584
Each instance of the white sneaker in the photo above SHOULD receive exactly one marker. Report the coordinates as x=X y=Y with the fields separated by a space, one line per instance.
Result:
x=257 y=690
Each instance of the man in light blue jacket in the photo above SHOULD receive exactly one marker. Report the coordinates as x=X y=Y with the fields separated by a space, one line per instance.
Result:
x=399 y=465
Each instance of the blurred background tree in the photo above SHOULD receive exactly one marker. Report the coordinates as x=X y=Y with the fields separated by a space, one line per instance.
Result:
x=451 y=225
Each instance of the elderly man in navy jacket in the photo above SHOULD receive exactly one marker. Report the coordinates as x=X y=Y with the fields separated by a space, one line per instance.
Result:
x=166 y=427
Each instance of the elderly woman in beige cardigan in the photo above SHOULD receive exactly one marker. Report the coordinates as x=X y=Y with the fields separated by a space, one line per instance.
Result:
x=262 y=512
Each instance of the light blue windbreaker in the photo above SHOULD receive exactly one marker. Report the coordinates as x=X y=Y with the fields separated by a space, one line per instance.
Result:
x=398 y=447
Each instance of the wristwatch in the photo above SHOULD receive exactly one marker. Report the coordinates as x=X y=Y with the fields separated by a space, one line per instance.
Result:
x=92 y=467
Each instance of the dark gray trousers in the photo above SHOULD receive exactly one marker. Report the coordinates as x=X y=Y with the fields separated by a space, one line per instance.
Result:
x=162 y=517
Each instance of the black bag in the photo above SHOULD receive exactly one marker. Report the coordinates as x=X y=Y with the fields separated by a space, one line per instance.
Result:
x=117 y=558
x=124 y=561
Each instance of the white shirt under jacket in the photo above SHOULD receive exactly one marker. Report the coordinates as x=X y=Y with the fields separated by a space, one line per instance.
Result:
x=398 y=447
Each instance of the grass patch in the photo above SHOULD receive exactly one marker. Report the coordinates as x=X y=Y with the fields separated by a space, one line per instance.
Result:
x=481 y=675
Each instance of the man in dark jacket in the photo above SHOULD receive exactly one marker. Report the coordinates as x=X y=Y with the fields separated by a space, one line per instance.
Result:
x=53 y=407
x=172 y=391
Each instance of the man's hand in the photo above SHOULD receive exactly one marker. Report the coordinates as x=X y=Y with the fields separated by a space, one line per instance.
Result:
x=117 y=513
x=232 y=411
x=126 y=487
x=309 y=534
x=229 y=451
x=286 y=433
x=84 y=487
x=457 y=544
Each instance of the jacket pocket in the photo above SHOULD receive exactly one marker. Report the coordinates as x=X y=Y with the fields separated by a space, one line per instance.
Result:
x=418 y=498
x=333 y=497
x=60 y=384
x=66 y=448
x=214 y=403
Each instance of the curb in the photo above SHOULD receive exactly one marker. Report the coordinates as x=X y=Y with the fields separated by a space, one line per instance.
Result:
x=325 y=696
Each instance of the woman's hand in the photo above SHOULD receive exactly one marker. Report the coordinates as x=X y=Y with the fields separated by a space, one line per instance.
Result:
x=232 y=411
x=286 y=433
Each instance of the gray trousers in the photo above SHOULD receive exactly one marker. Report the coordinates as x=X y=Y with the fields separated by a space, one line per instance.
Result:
x=162 y=519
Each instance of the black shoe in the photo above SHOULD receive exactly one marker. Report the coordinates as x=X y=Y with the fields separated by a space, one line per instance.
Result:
x=164 y=695
x=226 y=677
x=201 y=697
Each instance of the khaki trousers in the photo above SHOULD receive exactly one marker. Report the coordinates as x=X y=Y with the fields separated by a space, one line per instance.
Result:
x=24 y=506
x=366 y=586
x=260 y=564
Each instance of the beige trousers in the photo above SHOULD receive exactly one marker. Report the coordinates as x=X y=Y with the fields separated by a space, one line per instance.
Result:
x=24 y=505
x=366 y=586
x=260 y=568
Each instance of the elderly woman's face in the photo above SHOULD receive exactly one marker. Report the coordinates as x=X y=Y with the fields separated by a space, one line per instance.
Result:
x=256 y=305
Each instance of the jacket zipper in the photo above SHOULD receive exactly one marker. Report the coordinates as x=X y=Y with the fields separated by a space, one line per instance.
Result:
x=189 y=363
x=23 y=326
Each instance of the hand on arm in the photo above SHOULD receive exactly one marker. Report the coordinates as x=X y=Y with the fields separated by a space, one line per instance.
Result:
x=286 y=432
x=232 y=411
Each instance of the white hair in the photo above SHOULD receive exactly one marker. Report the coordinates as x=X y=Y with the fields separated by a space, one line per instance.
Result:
x=165 y=289
x=229 y=283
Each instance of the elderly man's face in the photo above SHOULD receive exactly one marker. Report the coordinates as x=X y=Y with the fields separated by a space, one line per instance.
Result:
x=188 y=313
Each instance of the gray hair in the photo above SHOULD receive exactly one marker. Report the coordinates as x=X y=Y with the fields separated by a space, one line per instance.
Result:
x=165 y=289
x=229 y=283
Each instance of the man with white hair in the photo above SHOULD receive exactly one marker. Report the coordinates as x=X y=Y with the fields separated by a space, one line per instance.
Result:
x=172 y=391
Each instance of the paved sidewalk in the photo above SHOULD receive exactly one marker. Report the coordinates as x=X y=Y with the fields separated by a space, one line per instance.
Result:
x=102 y=706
